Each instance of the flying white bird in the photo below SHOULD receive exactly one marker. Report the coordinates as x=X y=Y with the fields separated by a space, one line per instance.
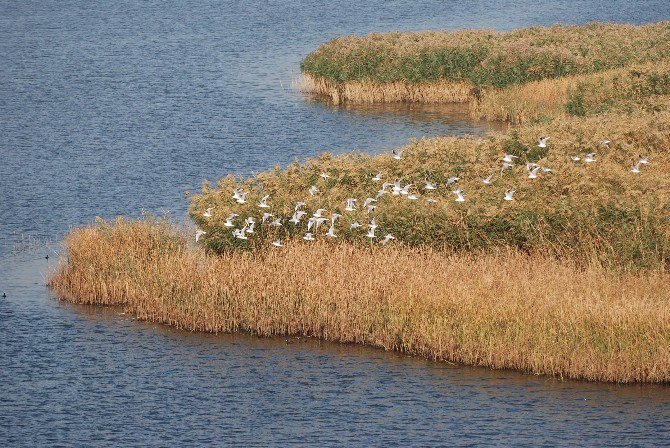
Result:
x=643 y=160
x=320 y=221
x=266 y=216
x=325 y=176
x=331 y=231
x=299 y=205
x=605 y=143
x=387 y=238
x=368 y=201
x=355 y=225
x=308 y=237
x=263 y=202
x=635 y=168
x=313 y=190
x=532 y=173
x=396 y=188
x=590 y=157
x=371 y=232
x=276 y=223
x=405 y=189
x=277 y=243
x=509 y=195
x=430 y=185
x=319 y=212
x=297 y=216
x=459 y=195
x=198 y=234
x=250 y=223
x=488 y=180
x=452 y=180
x=229 y=220
x=240 y=196
x=542 y=142
x=575 y=158
x=431 y=201
x=397 y=153
x=371 y=208
x=509 y=158
x=505 y=166
x=208 y=212
x=545 y=169
x=240 y=234
x=350 y=206
x=377 y=177
x=373 y=224
x=412 y=197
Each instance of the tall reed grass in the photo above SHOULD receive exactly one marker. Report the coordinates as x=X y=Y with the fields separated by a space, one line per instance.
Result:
x=501 y=310
x=378 y=66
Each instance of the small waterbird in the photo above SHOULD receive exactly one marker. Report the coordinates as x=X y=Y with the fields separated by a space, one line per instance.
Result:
x=542 y=142
x=313 y=190
x=509 y=158
x=605 y=143
x=397 y=153
x=369 y=201
x=373 y=224
x=350 y=206
x=590 y=157
x=509 y=195
x=505 y=166
x=371 y=208
x=240 y=196
x=452 y=180
x=331 y=231
x=319 y=212
x=405 y=190
x=266 y=216
x=355 y=225
x=240 y=234
x=642 y=160
x=377 y=177
x=575 y=158
x=431 y=201
x=4 y=296
x=208 y=212
x=308 y=237
x=532 y=173
x=198 y=234
x=459 y=195
x=276 y=223
x=277 y=243
x=371 y=233
x=264 y=202
x=488 y=180
x=387 y=238
x=635 y=168
x=297 y=216
x=229 y=220
x=412 y=197
x=396 y=188
x=299 y=205
x=250 y=223
x=430 y=185
x=334 y=217
x=325 y=176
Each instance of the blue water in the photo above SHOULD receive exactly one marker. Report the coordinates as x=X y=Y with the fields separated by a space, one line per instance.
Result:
x=111 y=108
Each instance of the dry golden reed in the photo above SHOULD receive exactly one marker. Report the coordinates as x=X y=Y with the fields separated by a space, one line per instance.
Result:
x=390 y=92
x=504 y=310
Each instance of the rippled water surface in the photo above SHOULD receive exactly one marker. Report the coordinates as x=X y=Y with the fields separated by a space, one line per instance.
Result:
x=111 y=108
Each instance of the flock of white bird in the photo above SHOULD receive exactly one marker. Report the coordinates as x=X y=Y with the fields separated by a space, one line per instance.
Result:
x=394 y=188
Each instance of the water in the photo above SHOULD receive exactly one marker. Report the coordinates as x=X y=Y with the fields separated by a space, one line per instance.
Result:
x=111 y=108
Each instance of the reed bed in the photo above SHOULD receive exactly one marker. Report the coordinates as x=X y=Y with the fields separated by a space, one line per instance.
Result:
x=384 y=67
x=577 y=210
x=501 y=310
x=621 y=90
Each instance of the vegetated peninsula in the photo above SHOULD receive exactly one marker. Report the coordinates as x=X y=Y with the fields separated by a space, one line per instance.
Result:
x=544 y=249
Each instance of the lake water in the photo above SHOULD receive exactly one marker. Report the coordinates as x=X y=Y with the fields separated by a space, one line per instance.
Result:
x=111 y=108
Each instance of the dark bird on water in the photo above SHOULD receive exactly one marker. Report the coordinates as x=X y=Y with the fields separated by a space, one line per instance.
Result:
x=47 y=257
x=4 y=296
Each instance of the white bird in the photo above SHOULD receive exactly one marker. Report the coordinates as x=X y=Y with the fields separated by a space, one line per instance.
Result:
x=635 y=168
x=397 y=153
x=377 y=177
x=240 y=196
x=387 y=238
x=643 y=160
x=297 y=216
x=590 y=157
x=350 y=206
x=545 y=169
x=240 y=234
x=276 y=223
x=412 y=197
x=250 y=223
x=266 y=216
x=509 y=158
x=355 y=225
x=459 y=195
x=605 y=143
x=452 y=180
x=373 y=224
x=505 y=166
x=371 y=232
x=575 y=158
x=325 y=176
x=229 y=220
x=385 y=185
x=405 y=189
x=532 y=173
x=509 y=195
x=371 y=208
x=308 y=237
x=542 y=142
x=237 y=194
x=310 y=223
x=319 y=212
x=299 y=205
x=208 y=212
x=368 y=201
x=430 y=185
x=320 y=221
x=431 y=201
x=396 y=188
x=334 y=217
x=380 y=193
x=263 y=202
x=277 y=243
x=198 y=234
x=488 y=180
x=313 y=190
x=331 y=231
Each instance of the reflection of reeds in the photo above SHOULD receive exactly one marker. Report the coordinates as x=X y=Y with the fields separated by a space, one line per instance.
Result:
x=504 y=310
x=373 y=92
